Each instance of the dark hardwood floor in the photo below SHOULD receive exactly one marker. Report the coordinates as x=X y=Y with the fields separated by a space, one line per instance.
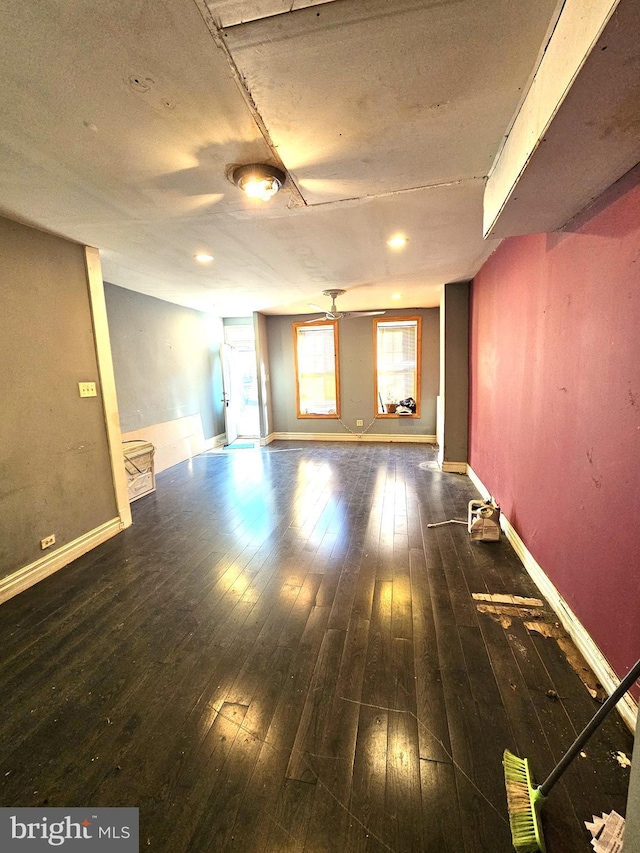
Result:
x=279 y=655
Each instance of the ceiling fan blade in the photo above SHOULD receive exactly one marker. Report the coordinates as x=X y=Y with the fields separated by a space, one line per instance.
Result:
x=317 y=307
x=363 y=313
x=316 y=320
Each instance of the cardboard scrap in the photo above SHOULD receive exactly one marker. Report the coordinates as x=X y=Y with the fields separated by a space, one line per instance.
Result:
x=606 y=832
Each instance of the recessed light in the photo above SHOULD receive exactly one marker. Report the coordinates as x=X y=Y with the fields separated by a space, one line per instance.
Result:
x=398 y=241
x=258 y=180
x=396 y=295
x=203 y=258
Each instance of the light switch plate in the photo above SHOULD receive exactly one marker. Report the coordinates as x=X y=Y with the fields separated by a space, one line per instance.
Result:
x=87 y=389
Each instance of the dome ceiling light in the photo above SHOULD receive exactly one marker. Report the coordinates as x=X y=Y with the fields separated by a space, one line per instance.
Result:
x=258 y=180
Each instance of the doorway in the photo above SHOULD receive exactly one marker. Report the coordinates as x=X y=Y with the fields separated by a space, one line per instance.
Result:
x=240 y=382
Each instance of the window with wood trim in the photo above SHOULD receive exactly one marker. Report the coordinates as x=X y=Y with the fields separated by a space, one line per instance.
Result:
x=316 y=364
x=397 y=344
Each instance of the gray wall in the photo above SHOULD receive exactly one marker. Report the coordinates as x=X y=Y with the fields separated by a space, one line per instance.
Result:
x=55 y=473
x=355 y=344
x=454 y=353
x=166 y=362
x=265 y=403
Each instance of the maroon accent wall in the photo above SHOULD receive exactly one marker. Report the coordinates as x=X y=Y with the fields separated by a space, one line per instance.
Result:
x=554 y=420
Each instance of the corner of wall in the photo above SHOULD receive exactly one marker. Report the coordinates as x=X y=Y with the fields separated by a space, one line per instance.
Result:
x=107 y=382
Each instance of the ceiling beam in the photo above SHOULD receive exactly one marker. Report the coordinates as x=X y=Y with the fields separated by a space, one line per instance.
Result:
x=576 y=132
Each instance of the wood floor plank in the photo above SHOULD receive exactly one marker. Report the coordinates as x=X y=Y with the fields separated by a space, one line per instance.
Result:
x=370 y=825
x=290 y=818
x=193 y=781
x=297 y=618
x=254 y=816
x=218 y=818
x=441 y=819
x=363 y=597
x=331 y=816
x=403 y=795
x=306 y=754
x=433 y=730
x=378 y=688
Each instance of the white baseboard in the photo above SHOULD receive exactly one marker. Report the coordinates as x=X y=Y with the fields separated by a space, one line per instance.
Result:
x=627 y=707
x=267 y=440
x=339 y=436
x=45 y=566
x=454 y=467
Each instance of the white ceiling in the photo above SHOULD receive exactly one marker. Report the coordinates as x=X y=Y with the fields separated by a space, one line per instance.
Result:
x=121 y=122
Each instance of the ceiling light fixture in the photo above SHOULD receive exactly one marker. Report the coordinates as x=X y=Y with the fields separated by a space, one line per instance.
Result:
x=398 y=241
x=203 y=258
x=258 y=181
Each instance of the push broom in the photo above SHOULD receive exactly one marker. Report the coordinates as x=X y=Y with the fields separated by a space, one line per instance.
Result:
x=525 y=801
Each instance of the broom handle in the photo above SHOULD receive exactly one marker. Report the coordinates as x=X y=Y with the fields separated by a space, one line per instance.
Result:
x=589 y=729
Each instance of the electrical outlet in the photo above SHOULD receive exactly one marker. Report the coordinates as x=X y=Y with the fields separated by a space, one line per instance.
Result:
x=359 y=422
x=48 y=541
x=87 y=389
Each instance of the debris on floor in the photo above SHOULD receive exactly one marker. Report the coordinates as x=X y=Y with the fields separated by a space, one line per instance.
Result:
x=622 y=759
x=510 y=611
x=607 y=832
x=500 y=598
x=504 y=608
x=573 y=656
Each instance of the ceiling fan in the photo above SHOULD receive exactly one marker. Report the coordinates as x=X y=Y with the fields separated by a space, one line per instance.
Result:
x=333 y=313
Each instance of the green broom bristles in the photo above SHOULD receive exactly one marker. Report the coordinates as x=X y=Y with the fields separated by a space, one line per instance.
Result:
x=524 y=803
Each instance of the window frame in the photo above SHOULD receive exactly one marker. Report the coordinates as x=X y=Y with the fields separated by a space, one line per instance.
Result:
x=400 y=319
x=308 y=327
